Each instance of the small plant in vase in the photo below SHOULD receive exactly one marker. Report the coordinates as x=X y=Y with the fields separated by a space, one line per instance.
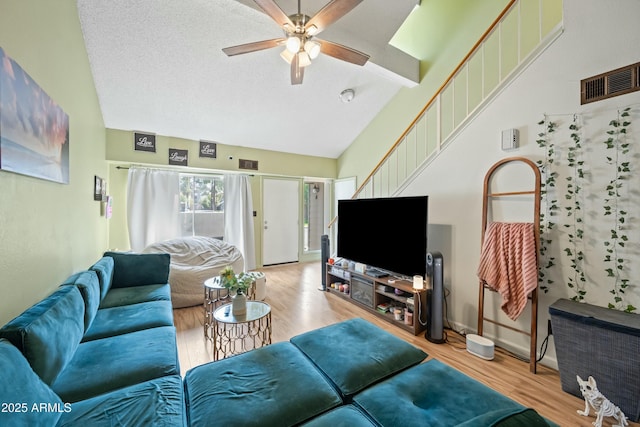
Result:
x=238 y=284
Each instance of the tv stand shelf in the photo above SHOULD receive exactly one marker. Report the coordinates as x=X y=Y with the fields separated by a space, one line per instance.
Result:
x=371 y=292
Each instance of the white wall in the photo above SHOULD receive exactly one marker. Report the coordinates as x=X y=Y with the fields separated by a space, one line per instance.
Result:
x=599 y=36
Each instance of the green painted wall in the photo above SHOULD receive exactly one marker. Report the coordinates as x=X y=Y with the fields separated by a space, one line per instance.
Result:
x=50 y=230
x=439 y=33
x=120 y=149
x=120 y=152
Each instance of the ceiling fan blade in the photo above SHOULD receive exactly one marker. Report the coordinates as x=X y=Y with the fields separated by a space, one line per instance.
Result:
x=343 y=53
x=273 y=10
x=329 y=14
x=297 y=72
x=252 y=47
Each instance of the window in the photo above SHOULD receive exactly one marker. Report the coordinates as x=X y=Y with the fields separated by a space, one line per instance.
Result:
x=202 y=205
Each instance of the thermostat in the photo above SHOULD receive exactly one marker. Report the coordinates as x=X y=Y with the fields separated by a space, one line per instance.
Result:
x=510 y=139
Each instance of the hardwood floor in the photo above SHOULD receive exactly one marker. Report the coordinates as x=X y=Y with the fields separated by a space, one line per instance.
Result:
x=298 y=306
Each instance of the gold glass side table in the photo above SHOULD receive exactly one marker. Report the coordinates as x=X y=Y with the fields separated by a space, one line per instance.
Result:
x=214 y=296
x=235 y=335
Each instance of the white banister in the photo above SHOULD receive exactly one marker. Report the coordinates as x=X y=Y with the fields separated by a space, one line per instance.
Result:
x=454 y=104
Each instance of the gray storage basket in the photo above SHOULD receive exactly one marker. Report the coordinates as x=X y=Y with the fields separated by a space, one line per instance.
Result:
x=602 y=343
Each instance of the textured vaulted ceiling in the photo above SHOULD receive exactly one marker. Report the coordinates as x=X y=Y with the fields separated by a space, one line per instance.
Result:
x=158 y=67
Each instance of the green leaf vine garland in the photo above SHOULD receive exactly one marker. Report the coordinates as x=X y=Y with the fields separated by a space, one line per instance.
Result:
x=575 y=217
x=548 y=203
x=614 y=206
x=619 y=157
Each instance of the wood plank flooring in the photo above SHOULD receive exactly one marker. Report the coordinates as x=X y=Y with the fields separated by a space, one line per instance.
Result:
x=298 y=306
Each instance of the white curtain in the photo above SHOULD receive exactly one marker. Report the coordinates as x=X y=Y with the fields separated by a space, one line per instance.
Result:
x=238 y=217
x=153 y=198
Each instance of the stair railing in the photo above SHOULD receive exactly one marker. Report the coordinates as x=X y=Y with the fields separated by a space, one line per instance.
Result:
x=458 y=100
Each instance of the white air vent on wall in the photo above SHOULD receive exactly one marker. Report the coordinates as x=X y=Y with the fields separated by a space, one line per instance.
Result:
x=612 y=83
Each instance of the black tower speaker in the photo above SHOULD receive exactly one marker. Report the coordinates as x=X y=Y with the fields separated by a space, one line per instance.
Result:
x=435 y=298
x=324 y=254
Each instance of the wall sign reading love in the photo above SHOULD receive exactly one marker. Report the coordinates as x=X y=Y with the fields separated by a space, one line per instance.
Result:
x=144 y=142
x=208 y=149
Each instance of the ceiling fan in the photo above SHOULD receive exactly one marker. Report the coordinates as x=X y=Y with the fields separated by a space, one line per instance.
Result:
x=300 y=36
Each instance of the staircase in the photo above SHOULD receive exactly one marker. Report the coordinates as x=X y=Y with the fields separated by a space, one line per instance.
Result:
x=523 y=30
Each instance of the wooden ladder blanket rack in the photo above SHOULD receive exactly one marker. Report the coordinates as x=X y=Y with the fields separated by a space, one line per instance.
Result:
x=488 y=195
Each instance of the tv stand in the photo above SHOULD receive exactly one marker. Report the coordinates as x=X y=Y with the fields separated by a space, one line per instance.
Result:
x=374 y=272
x=380 y=295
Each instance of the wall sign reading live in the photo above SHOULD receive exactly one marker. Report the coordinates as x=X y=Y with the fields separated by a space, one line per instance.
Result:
x=144 y=142
x=178 y=157
x=208 y=149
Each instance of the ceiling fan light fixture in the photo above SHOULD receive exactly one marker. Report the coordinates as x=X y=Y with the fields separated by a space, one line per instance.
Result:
x=293 y=44
x=312 y=48
x=303 y=59
x=299 y=30
x=312 y=30
x=287 y=56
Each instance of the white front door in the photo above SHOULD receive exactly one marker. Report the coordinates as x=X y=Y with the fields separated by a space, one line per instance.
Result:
x=281 y=225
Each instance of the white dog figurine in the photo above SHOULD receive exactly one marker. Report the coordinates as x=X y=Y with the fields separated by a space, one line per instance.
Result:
x=602 y=405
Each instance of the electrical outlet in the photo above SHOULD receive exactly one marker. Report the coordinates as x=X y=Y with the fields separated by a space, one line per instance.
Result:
x=549 y=331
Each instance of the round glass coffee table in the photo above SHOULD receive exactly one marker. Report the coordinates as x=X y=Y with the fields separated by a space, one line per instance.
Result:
x=235 y=335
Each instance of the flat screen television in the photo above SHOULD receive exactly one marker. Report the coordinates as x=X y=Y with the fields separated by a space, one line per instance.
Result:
x=385 y=233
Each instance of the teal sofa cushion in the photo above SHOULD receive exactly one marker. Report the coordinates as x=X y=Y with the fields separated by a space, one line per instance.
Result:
x=49 y=332
x=130 y=318
x=118 y=297
x=273 y=385
x=131 y=269
x=107 y=364
x=158 y=402
x=355 y=354
x=104 y=270
x=21 y=389
x=434 y=394
x=87 y=284
x=343 y=416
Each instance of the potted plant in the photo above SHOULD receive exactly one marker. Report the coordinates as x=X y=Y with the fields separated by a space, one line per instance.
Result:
x=239 y=284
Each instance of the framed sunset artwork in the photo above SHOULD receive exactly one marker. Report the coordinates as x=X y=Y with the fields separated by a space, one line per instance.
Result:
x=34 y=130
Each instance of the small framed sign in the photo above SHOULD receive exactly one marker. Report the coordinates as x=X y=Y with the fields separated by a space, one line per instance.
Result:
x=178 y=157
x=208 y=149
x=144 y=142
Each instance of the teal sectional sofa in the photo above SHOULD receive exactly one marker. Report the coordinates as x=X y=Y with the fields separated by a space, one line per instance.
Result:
x=348 y=374
x=101 y=351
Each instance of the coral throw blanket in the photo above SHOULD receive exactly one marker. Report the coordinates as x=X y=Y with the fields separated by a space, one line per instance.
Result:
x=508 y=264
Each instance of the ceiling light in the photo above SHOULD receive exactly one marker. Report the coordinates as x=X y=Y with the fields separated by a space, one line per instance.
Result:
x=303 y=59
x=287 y=56
x=312 y=30
x=293 y=44
x=312 y=48
x=347 y=95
